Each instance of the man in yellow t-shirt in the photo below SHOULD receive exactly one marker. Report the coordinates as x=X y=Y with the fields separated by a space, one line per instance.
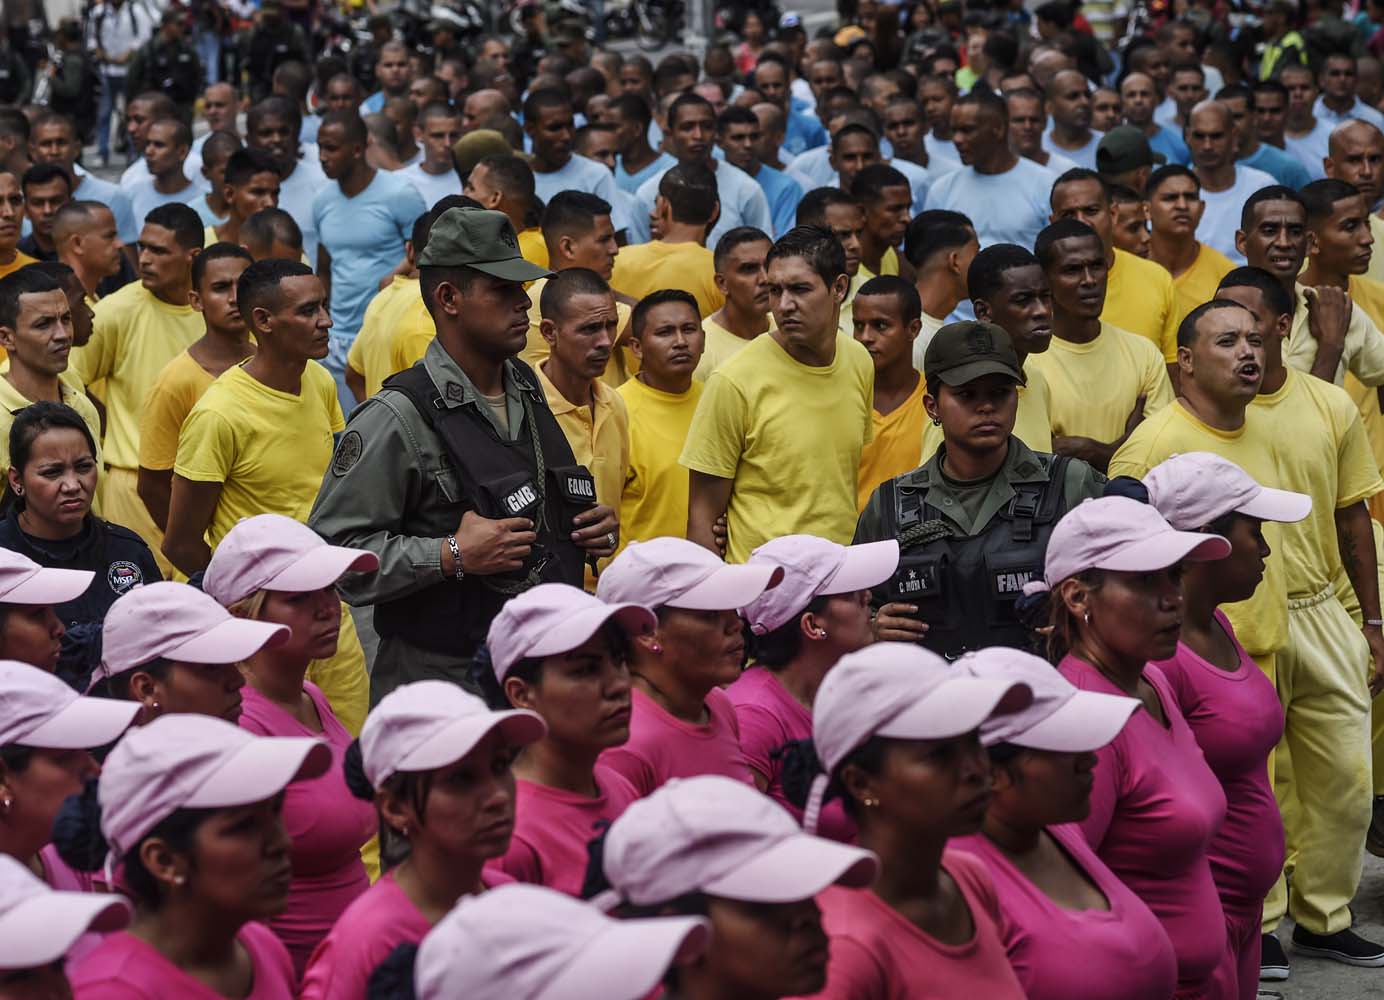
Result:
x=135 y=333
x=1103 y=380
x=833 y=209
x=940 y=244
x=887 y=320
x=11 y=222
x=1175 y=210
x=251 y=185
x=225 y=343
x=685 y=210
x=666 y=335
x=775 y=444
x=1355 y=154
x=1138 y=293
x=741 y=278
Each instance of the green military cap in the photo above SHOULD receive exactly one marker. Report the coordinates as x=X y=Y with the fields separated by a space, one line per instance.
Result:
x=1125 y=147
x=479 y=238
x=963 y=352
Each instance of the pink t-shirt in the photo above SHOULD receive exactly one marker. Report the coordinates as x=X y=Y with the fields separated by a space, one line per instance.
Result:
x=1237 y=720
x=553 y=827
x=327 y=823
x=125 y=968
x=1124 y=944
x=662 y=746
x=1155 y=806
x=877 y=954
x=59 y=875
x=770 y=718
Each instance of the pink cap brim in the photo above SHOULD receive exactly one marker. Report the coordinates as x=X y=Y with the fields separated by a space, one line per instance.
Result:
x=230 y=642
x=866 y=565
x=83 y=724
x=628 y=959
x=577 y=628
x=1166 y=549
x=1088 y=721
x=319 y=567
x=453 y=742
x=794 y=869
x=41 y=929
x=49 y=586
x=260 y=770
x=729 y=588
x=957 y=706
x=1277 y=505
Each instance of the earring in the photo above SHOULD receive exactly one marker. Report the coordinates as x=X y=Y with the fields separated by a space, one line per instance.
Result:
x=870 y=801
x=404 y=832
x=936 y=422
x=1088 y=618
x=19 y=491
x=655 y=647
x=821 y=633
x=180 y=879
x=6 y=802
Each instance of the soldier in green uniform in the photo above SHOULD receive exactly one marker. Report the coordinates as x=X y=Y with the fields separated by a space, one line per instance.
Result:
x=973 y=522
x=456 y=473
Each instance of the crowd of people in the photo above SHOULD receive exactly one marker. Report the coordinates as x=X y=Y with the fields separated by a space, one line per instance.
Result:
x=887 y=511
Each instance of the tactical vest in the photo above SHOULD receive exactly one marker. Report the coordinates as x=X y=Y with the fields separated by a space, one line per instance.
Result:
x=965 y=587
x=173 y=69
x=535 y=476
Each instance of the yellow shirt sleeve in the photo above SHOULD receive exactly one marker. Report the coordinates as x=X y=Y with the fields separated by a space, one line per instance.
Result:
x=96 y=358
x=206 y=447
x=354 y=361
x=716 y=439
x=175 y=392
x=1366 y=362
x=326 y=388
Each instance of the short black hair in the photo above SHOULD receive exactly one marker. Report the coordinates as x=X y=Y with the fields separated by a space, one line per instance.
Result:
x=571 y=213
x=36 y=418
x=736 y=115
x=259 y=284
x=219 y=146
x=269 y=226
x=184 y=223
x=25 y=281
x=1123 y=194
x=854 y=128
x=1276 y=297
x=812 y=210
x=986 y=100
x=985 y=276
x=1077 y=175
x=867 y=187
x=1187 y=331
x=687 y=100
x=633 y=107
x=543 y=98
x=1272 y=192
x=640 y=317
x=1044 y=247
x=511 y=174
x=351 y=124
x=1167 y=172
x=1232 y=91
x=274 y=106
x=904 y=292
x=217 y=251
x=690 y=190
x=934 y=231
x=815 y=244
x=1271 y=87
x=1319 y=197
x=182 y=135
x=561 y=287
x=44 y=173
x=733 y=238
x=246 y=163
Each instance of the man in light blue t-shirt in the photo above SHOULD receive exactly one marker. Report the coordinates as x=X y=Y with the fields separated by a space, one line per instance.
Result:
x=1069 y=105
x=363 y=218
x=550 y=125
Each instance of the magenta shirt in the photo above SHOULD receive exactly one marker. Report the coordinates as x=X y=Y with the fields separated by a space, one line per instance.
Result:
x=327 y=823
x=553 y=826
x=1155 y=806
x=125 y=968
x=770 y=718
x=662 y=746
x=63 y=877
x=1237 y=721
x=1124 y=944
x=877 y=954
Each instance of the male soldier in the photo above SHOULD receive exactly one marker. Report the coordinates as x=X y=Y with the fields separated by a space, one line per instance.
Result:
x=456 y=473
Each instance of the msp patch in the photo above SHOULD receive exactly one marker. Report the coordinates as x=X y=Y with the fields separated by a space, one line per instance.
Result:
x=122 y=575
x=347 y=453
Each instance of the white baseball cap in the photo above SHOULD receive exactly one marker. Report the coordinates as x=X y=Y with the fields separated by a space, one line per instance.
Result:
x=815 y=567
x=1195 y=489
x=273 y=552
x=38 y=924
x=676 y=573
x=555 y=618
x=23 y=581
x=38 y=710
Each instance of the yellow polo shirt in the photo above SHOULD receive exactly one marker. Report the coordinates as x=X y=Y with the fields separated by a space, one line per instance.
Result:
x=1139 y=297
x=654 y=500
x=1376 y=271
x=600 y=440
x=12 y=401
x=721 y=346
x=897 y=446
x=1032 y=423
x=646 y=267
x=532 y=247
x=1369 y=296
x=1198 y=283
x=176 y=391
x=395 y=332
x=536 y=351
x=1363 y=356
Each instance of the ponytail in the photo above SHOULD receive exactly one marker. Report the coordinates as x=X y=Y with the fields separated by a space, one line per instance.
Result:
x=393 y=978
x=803 y=773
x=481 y=679
x=353 y=768
x=77 y=830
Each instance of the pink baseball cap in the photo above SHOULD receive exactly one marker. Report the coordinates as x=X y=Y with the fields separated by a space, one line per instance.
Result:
x=1062 y=718
x=716 y=835
x=23 y=581
x=1194 y=489
x=430 y=724
x=901 y=691
x=676 y=573
x=1120 y=534
x=556 y=618
x=195 y=762
x=273 y=552
x=38 y=925
x=38 y=710
x=814 y=567
x=528 y=942
x=177 y=622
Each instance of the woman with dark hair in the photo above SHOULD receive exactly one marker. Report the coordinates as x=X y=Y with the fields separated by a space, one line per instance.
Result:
x=190 y=807
x=562 y=654
x=436 y=764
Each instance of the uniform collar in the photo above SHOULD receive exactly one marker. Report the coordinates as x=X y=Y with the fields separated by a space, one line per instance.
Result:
x=454 y=386
x=1021 y=465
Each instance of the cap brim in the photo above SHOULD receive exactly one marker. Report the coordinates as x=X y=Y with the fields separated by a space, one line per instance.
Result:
x=1165 y=549
x=85 y=723
x=450 y=744
x=971 y=371
x=49 y=586
x=514 y=269
x=1086 y=722
x=1277 y=505
x=628 y=959
x=794 y=869
x=41 y=929
x=729 y=588
x=320 y=567
x=957 y=706
x=230 y=642
x=866 y=565
x=260 y=770
x=571 y=633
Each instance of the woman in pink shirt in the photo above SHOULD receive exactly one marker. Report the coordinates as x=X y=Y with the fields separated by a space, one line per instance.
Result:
x=1229 y=703
x=715 y=847
x=1115 y=570
x=819 y=612
x=563 y=654
x=270 y=568
x=894 y=727
x=30 y=630
x=436 y=763
x=191 y=807
x=682 y=724
x=1058 y=898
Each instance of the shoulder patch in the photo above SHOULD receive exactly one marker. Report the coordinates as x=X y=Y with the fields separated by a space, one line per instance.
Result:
x=347 y=453
x=123 y=575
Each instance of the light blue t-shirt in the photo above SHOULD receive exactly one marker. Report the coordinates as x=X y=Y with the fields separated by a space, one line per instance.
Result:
x=204 y=212
x=432 y=188
x=1168 y=142
x=297 y=192
x=365 y=236
x=1083 y=157
x=815 y=164
x=1360 y=111
x=581 y=174
x=1282 y=167
x=783 y=194
x=144 y=197
x=307 y=131
x=802 y=132
x=1312 y=148
x=940 y=152
x=742 y=204
x=630 y=182
x=1221 y=218
x=373 y=104
x=93 y=188
x=1011 y=207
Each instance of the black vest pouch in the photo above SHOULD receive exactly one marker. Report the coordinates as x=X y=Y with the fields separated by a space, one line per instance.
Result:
x=514 y=495
x=575 y=488
x=926 y=579
x=1007 y=572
